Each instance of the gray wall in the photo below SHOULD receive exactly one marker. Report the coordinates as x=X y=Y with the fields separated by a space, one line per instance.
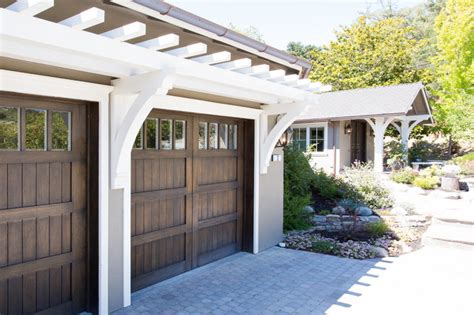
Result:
x=115 y=249
x=270 y=225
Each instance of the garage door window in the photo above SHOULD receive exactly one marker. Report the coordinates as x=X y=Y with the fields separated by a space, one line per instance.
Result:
x=35 y=129
x=151 y=127
x=203 y=136
x=223 y=136
x=61 y=131
x=180 y=134
x=9 y=126
x=213 y=127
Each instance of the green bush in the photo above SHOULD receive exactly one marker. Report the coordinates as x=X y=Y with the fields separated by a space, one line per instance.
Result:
x=404 y=176
x=433 y=170
x=377 y=229
x=324 y=247
x=298 y=177
x=366 y=187
x=466 y=163
x=428 y=182
x=326 y=185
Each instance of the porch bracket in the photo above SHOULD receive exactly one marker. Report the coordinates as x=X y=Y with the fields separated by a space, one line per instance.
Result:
x=269 y=139
x=379 y=125
x=131 y=104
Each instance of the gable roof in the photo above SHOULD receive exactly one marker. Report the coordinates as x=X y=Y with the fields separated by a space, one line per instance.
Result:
x=170 y=12
x=402 y=99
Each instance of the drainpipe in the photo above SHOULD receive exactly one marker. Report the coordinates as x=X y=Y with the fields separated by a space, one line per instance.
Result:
x=330 y=123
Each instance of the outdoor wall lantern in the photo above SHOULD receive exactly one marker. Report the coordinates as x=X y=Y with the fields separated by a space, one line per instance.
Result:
x=348 y=128
x=285 y=138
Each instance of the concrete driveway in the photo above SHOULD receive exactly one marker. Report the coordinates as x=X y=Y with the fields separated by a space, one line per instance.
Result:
x=434 y=280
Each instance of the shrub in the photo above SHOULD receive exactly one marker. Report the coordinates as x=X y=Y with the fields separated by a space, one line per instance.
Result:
x=404 y=176
x=325 y=212
x=377 y=229
x=298 y=176
x=426 y=182
x=366 y=186
x=326 y=185
x=324 y=247
x=433 y=170
x=427 y=150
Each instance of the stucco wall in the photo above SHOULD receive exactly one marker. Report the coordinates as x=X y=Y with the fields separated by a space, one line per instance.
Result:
x=345 y=152
x=325 y=160
x=370 y=145
x=270 y=220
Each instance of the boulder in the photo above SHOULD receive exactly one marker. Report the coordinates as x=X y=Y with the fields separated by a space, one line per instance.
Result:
x=308 y=209
x=363 y=211
x=339 y=210
x=373 y=219
x=282 y=245
x=319 y=218
x=397 y=210
x=380 y=252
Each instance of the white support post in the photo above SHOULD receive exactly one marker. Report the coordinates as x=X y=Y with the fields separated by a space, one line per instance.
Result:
x=404 y=135
x=379 y=125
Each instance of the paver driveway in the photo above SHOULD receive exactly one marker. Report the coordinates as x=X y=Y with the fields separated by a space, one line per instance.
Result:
x=276 y=281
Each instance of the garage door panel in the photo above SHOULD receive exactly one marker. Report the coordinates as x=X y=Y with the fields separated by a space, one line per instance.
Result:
x=43 y=211
x=218 y=203
x=185 y=201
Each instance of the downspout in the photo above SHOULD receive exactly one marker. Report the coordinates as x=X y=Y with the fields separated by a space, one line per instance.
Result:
x=333 y=148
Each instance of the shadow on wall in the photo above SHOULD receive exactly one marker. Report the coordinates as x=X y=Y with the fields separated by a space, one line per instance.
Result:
x=276 y=280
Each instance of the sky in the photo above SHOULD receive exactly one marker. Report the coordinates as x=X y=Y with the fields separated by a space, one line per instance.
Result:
x=282 y=21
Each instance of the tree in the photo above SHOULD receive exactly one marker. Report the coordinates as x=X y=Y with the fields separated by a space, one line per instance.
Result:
x=369 y=53
x=454 y=69
x=250 y=31
x=300 y=50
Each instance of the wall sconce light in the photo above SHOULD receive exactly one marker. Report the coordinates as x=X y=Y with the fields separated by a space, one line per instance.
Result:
x=285 y=138
x=348 y=129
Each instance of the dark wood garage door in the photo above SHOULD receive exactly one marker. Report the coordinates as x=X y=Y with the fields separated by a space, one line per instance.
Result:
x=42 y=206
x=187 y=200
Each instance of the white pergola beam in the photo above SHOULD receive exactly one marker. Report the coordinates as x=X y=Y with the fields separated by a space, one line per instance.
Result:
x=235 y=64
x=274 y=74
x=31 y=7
x=85 y=19
x=303 y=83
x=189 y=51
x=127 y=32
x=161 y=42
x=314 y=87
x=214 y=58
x=260 y=69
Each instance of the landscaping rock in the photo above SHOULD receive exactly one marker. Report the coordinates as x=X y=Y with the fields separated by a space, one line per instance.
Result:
x=332 y=218
x=339 y=210
x=398 y=211
x=319 y=218
x=282 y=245
x=308 y=209
x=363 y=211
x=373 y=219
x=380 y=252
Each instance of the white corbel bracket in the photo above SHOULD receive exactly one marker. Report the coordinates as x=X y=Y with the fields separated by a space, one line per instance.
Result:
x=291 y=111
x=130 y=105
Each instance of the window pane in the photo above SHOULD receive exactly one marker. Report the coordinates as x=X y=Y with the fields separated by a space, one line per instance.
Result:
x=151 y=127
x=8 y=128
x=301 y=145
x=320 y=133
x=233 y=137
x=203 y=136
x=312 y=133
x=61 y=132
x=213 y=135
x=320 y=146
x=166 y=132
x=180 y=135
x=35 y=129
x=223 y=136
x=139 y=140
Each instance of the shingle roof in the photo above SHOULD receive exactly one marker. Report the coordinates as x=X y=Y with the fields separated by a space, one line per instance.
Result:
x=378 y=101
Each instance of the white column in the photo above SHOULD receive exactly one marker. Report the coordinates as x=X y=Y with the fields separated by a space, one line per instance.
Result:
x=379 y=131
x=404 y=135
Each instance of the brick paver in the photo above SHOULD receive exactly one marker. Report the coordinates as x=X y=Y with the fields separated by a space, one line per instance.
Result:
x=276 y=281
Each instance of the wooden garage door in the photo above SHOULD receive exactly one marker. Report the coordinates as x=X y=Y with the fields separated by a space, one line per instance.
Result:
x=187 y=175
x=42 y=206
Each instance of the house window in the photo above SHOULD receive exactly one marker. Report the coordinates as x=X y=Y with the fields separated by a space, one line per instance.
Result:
x=316 y=139
x=299 y=138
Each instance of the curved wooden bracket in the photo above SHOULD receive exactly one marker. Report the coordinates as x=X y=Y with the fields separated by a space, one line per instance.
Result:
x=129 y=111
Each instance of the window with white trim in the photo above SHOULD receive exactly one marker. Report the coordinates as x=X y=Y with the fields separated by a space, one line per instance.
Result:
x=311 y=137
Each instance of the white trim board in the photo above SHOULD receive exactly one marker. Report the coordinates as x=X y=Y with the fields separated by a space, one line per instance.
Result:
x=18 y=82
